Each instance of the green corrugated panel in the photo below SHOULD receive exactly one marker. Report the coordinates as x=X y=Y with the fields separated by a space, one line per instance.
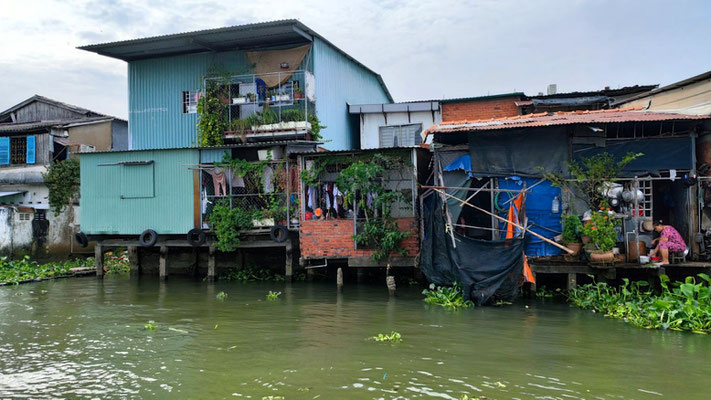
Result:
x=340 y=81
x=130 y=198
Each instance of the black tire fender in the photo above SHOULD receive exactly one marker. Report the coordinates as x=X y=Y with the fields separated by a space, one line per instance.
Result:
x=196 y=237
x=81 y=239
x=279 y=233
x=148 y=238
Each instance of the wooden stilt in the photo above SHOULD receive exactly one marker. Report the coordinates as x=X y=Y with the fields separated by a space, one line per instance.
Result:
x=289 y=268
x=533 y=288
x=163 y=263
x=133 y=260
x=211 y=270
x=339 y=278
x=99 y=259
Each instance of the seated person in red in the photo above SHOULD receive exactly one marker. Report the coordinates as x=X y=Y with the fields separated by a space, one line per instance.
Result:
x=669 y=240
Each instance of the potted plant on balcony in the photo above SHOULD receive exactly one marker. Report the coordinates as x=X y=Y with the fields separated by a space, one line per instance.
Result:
x=298 y=93
x=603 y=235
x=251 y=97
x=572 y=229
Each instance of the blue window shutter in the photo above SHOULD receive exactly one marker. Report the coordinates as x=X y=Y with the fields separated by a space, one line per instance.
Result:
x=30 y=157
x=4 y=150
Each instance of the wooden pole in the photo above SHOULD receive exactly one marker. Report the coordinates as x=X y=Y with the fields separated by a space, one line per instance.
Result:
x=99 y=259
x=545 y=239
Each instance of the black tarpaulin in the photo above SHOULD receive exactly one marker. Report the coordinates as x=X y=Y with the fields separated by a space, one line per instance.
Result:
x=519 y=151
x=660 y=154
x=488 y=271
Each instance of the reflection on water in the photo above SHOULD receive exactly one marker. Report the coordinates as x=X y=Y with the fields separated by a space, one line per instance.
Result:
x=86 y=338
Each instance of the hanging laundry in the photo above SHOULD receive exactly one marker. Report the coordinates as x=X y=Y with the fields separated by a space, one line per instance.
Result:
x=327 y=196
x=313 y=197
x=218 y=181
x=268 y=179
x=337 y=195
x=236 y=180
x=204 y=202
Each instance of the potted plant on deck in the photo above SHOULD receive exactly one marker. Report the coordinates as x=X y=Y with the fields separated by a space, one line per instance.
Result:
x=603 y=236
x=572 y=229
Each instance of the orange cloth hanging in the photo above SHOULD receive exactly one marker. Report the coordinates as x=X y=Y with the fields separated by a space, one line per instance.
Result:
x=514 y=209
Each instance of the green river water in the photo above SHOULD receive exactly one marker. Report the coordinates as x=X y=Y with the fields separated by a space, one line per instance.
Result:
x=85 y=338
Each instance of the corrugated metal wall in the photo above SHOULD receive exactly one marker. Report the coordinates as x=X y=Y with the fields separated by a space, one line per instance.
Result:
x=155 y=87
x=168 y=211
x=340 y=81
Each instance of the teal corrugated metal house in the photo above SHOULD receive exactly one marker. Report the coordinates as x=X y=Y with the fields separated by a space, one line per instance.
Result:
x=164 y=71
x=282 y=66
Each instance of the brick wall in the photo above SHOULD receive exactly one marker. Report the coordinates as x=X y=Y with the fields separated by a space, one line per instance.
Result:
x=479 y=109
x=332 y=238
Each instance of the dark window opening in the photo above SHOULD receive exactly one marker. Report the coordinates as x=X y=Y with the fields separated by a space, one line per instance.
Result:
x=18 y=150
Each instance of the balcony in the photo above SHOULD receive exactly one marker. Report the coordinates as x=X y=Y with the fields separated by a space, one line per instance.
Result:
x=268 y=106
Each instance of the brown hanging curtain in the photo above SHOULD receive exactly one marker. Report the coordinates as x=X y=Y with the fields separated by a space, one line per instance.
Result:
x=267 y=61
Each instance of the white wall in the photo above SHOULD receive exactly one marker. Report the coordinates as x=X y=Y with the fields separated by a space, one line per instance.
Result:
x=370 y=124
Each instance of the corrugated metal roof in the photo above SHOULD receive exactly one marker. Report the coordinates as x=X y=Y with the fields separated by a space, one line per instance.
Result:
x=358 y=151
x=701 y=77
x=43 y=125
x=479 y=98
x=561 y=118
x=239 y=37
x=226 y=146
x=418 y=106
x=55 y=103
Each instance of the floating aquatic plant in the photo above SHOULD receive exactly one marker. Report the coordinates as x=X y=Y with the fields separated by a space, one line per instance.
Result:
x=680 y=306
x=446 y=296
x=221 y=296
x=393 y=337
x=150 y=325
x=273 y=295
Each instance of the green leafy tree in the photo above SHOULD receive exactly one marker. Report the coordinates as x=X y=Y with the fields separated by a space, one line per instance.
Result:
x=590 y=175
x=63 y=179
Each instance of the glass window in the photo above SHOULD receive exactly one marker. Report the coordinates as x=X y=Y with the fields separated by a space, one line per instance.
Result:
x=400 y=135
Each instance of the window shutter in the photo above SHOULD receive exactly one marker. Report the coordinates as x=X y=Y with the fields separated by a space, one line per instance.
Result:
x=386 y=136
x=4 y=150
x=30 y=155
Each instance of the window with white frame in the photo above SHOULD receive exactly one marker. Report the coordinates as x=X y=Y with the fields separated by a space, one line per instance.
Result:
x=400 y=135
x=190 y=101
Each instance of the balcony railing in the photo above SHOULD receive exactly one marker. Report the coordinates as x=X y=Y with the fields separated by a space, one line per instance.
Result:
x=266 y=106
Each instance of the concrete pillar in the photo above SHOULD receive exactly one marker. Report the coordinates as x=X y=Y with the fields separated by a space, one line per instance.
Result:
x=289 y=268
x=211 y=270
x=162 y=265
x=532 y=288
x=133 y=260
x=390 y=282
x=99 y=259
x=572 y=281
x=339 y=278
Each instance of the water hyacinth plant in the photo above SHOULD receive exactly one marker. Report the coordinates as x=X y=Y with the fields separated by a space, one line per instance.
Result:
x=221 y=296
x=14 y=271
x=273 y=295
x=393 y=337
x=447 y=297
x=681 y=306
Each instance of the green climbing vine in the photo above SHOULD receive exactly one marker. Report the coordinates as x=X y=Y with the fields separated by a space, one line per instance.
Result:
x=63 y=179
x=227 y=222
x=211 y=110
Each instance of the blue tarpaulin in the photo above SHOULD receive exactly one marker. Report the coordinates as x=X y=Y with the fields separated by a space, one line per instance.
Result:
x=538 y=209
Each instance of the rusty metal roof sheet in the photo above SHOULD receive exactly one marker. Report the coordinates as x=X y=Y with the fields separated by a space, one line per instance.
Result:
x=561 y=118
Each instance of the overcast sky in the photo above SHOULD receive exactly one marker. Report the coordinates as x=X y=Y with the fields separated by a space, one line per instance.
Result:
x=423 y=49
